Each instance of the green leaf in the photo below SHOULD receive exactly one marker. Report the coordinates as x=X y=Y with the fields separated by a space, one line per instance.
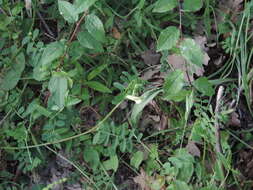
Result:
x=91 y=156
x=173 y=84
x=12 y=76
x=96 y=71
x=203 y=85
x=87 y=41
x=162 y=6
x=136 y=159
x=52 y=52
x=72 y=101
x=168 y=38
x=98 y=86
x=144 y=100
x=184 y=162
x=68 y=11
x=192 y=52
x=83 y=5
x=95 y=27
x=192 y=5
x=112 y=163
x=58 y=87
x=176 y=184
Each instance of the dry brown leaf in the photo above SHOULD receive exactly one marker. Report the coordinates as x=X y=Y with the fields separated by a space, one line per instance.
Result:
x=143 y=180
x=234 y=120
x=178 y=62
x=150 y=57
x=115 y=33
x=147 y=75
x=193 y=149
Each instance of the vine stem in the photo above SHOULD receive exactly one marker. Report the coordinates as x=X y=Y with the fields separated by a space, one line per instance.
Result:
x=93 y=129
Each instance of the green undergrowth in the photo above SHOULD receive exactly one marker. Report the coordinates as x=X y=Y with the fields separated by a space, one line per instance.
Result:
x=75 y=86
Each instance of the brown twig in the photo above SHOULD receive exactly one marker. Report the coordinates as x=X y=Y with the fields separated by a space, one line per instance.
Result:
x=72 y=36
x=77 y=27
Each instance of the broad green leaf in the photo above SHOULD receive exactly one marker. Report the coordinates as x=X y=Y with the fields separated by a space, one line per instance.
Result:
x=203 y=85
x=58 y=87
x=173 y=84
x=176 y=185
x=145 y=99
x=184 y=162
x=192 y=52
x=72 y=101
x=168 y=38
x=52 y=52
x=83 y=5
x=112 y=163
x=165 y=5
x=98 y=86
x=96 y=71
x=68 y=11
x=192 y=5
x=136 y=159
x=87 y=41
x=12 y=76
x=95 y=27
x=91 y=156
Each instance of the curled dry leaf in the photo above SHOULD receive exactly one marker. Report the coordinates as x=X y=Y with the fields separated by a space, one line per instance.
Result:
x=234 y=120
x=115 y=33
x=193 y=149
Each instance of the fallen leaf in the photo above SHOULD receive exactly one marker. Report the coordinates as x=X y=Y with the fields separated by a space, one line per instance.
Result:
x=143 y=180
x=178 y=62
x=193 y=149
x=150 y=57
x=115 y=33
x=234 y=120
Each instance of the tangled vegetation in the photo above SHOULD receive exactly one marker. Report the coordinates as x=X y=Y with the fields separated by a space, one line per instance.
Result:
x=114 y=94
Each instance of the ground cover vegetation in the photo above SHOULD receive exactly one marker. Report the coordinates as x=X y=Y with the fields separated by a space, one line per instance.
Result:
x=137 y=94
